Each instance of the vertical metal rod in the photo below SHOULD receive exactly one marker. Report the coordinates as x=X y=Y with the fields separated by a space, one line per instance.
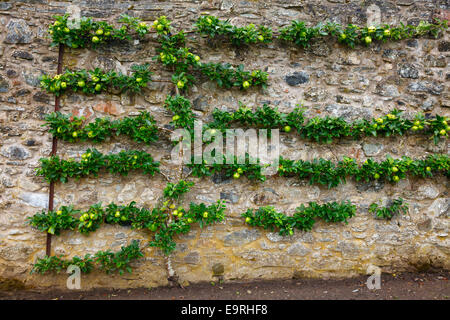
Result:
x=51 y=194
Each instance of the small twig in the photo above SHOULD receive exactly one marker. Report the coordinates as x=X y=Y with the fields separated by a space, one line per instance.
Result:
x=167 y=178
x=160 y=80
x=165 y=129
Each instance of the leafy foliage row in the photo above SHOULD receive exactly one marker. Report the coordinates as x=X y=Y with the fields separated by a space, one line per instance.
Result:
x=154 y=220
x=141 y=128
x=328 y=173
x=393 y=208
x=320 y=171
x=185 y=66
x=92 y=161
x=302 y=35
x=325 y=129
x=97 y=81
x=106 y=261
x=303 y=218
x=90 y=33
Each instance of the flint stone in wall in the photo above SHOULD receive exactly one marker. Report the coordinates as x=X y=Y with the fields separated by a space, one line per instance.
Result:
x=387 y=90
x=18 y=31
x=315 y=94
x=297 y=78
x=426 y=86
x=436 y=62
x=4 y=85
x=15 y=152
x=408 y=70
x=22 y=55
x=231 y=196
x=444 y=46
x=429 y=104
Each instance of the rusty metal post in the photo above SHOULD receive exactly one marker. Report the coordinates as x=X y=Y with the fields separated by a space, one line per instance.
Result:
x=51 y=194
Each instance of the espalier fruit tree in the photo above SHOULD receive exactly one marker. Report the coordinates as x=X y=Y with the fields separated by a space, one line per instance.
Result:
x=151 y=220
x=170 y=216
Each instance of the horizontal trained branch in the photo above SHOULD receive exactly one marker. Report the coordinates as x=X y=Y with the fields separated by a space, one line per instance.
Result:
x=325 y=172
x=154 y=220
x=97 y=81
x=174 y=54
x=89 y=33
x=302 y=35
x=393 y=208
x=325 y=129
x=141 y=128
x=92 y=161
x=104 y=260
x=303 y=219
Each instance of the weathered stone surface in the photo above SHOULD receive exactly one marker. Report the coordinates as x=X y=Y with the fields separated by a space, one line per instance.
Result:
x=18 y=31
x=230 y=196
x=15 y=252
x=108 y=107
x=371 y=149
x=348 y=112
x=348 y=249
x=408 y=71
x=428 y=192
x=315 y=94
x=241 y=237
x=4 y=85
x=439 y=207
x=128 y=193
x=297 y=78
x=15 y=152
x=387 y=90
x=22 y=55
x=297 y=249
x=37 y=200
x=266 y=197
x=426 y=86
x=192 y=258
x=429 y=104
x=444 y=46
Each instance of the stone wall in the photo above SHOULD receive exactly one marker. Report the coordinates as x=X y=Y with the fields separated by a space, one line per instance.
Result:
x=327 y=78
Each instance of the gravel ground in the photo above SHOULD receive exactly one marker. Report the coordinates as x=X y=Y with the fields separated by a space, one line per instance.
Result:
x=416 y=286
